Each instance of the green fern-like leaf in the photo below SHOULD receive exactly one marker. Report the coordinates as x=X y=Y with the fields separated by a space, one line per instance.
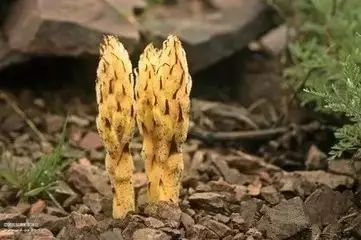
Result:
x=326 y=62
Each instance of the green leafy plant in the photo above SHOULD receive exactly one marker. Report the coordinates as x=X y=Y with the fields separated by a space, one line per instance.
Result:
x=39 y=178
x=325 y=61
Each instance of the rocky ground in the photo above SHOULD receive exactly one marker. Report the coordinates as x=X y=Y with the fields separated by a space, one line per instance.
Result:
x=248 y=175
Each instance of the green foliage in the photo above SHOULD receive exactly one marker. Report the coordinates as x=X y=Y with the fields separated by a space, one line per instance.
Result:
x=325 y=61
x=40 y=178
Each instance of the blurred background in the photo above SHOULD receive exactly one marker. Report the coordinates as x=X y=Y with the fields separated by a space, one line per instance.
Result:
x=56 y=43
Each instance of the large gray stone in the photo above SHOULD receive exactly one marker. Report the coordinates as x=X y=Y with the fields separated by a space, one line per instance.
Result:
x=325 y=178
x=8 y=56
x=287 y=220
x=66 y=27
x=325 y=206
x=344 y=167
x=207 y=200
x=209 y=34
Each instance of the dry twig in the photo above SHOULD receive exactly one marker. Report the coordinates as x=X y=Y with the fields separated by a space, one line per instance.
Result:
x=260 y=134
x=22 y=114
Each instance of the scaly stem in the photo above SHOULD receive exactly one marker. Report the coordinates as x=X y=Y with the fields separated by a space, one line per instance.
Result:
x=152 y=170
x=163 y=89
x=171 y=178
x=116 y=120
x=120 y=172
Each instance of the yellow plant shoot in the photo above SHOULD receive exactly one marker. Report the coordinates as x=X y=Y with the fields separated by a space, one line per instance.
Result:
x=163 y=89
x=116 y=120
x=160 y=106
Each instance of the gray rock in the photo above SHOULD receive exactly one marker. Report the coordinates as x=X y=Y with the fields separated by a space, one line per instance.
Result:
x=11 y=123
x=126 y=6
x=329 y=179
x=230 y=175
x=220 y=229
x=187 y=221
x=221 y=218
x=167 y=212
x=37 y=234
x=316 y=159
x=200 y=232
x=270 y=194
x=150 y=234
x=65 y=27
x=221 y=166
x=82 y=209
x=115 y=234
x=54 y=123
x=356 y=227
x=174 y=233
x=209 y=35
x=316 y=231
x=344 y=167
x=249 y=210
x=51 y=222
x=70 y=233
x=207 y=200
x=153 y=223
x=259 y=78
x=293 y=184
x=325 y=206
x=87 y=178
x=239 y=236
x=275 y=41
x=285 y=220
x=333 y=229
x=132 y=227
x=229 y=237
x=253 y=233
x=142 y=196
x=8 y=56
x=238 y=222
x=91 y=141
x=82 y=221
x=94 y=201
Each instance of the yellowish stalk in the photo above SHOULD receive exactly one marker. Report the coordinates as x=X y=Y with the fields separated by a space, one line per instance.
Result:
x=172 y=116
x=171 y=178
x=163 y=96
x=145 y=100
x=116 y=120
x=121 y=178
